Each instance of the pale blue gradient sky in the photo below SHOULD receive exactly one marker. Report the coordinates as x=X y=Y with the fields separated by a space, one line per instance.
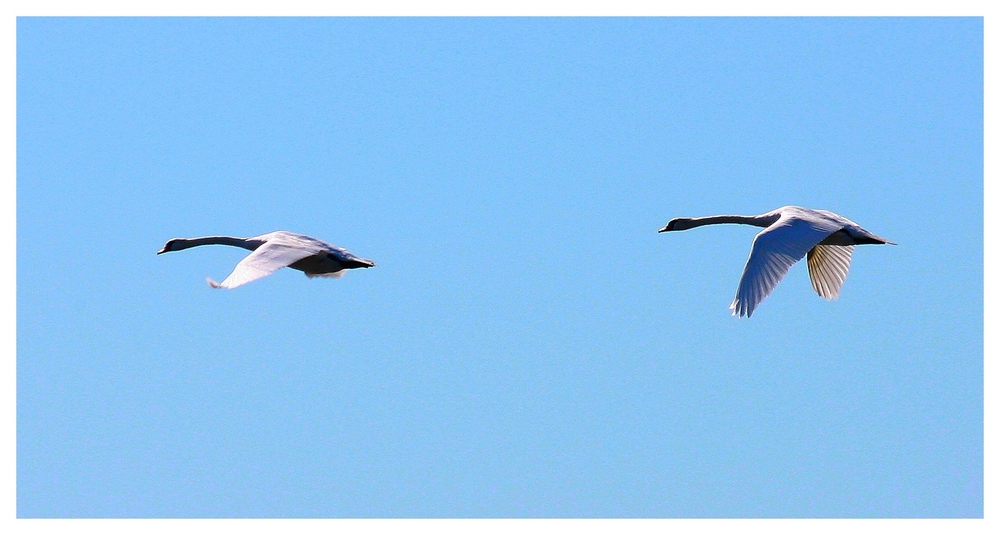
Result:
x=528 y=345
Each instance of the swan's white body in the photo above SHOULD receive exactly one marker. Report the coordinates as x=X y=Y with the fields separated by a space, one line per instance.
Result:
x=276 y=250
x=791 y=232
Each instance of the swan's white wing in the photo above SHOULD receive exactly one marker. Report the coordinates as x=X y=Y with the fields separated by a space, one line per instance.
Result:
x=267 y=259
x=334 y=275
x=298 y=241
x=828 y=265
x=774 y=251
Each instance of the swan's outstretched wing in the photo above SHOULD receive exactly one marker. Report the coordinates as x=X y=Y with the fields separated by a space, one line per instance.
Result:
x=774 y=251
x=828 y=265
x=334 y=275
x=267 y=259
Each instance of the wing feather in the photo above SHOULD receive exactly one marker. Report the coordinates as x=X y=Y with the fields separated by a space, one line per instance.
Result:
x=774 y=251
x=267 y=259
x=828 y=266
x=334 y=275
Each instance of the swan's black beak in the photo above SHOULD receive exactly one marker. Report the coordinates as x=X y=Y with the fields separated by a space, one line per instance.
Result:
x=166 y=247
x=671 y=225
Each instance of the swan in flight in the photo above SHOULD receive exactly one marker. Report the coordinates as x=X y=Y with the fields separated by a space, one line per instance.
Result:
x=274 y=251
x=790 y=232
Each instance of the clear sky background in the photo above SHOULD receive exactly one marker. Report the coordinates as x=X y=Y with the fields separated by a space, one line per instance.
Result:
x=528 y=345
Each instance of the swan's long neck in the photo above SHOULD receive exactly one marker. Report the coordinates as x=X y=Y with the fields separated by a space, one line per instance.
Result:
x=178 y=244
x=684 y=223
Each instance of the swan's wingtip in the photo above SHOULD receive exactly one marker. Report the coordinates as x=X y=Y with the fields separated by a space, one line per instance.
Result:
x=212 y=283
x=739 y=311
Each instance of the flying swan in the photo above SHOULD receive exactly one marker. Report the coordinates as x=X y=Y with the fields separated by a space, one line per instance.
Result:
x=274 y=251
x=790 y=232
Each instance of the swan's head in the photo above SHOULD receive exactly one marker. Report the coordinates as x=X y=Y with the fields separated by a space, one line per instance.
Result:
x=168 y=247
x=679 y=223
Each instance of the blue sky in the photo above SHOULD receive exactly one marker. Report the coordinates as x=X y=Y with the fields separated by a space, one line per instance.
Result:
x=528 y=345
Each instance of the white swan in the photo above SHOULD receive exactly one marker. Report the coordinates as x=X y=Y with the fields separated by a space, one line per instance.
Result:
x=274 y=251
x=790 y=232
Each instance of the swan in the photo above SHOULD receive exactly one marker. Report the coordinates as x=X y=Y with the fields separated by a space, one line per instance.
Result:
x=826 y=239
x=276 y=250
